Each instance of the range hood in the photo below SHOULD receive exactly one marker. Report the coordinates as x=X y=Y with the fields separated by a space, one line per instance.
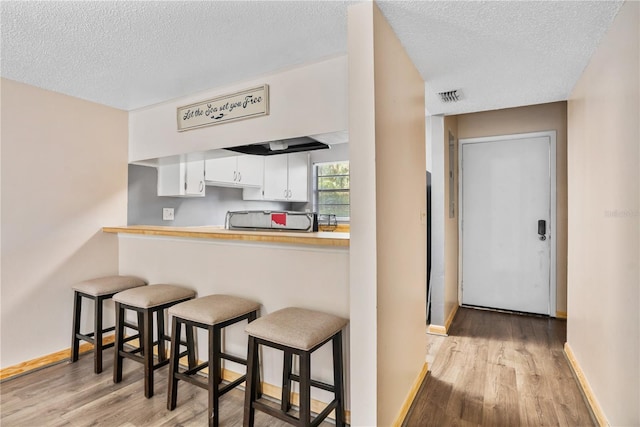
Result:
x=283 y=146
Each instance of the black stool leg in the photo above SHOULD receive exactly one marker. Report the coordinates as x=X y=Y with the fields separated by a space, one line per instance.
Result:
x=147 y=326
x=253 y=316
x=75 y=341
x=97 y=336
x=214 y=375
x=162 y=350
x=172 y=395
x=191 y=347
x=251 y=386
x=286 y=381
x=305 y=388
x=140 y=332
x=338 y=383
x=119 y=344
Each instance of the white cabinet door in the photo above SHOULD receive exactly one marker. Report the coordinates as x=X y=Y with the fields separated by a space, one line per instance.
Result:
x=194 y=180
x=223 y=170
x=169 y=179
x=286 y=177
x=250 y=171
x=275 y=177
x=298 y=177
x=181 y=179
x=235 y=171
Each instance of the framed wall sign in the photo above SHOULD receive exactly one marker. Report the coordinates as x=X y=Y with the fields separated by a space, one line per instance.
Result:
x=245 y=104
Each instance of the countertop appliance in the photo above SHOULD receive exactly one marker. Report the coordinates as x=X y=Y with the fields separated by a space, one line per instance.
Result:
x=272 y=220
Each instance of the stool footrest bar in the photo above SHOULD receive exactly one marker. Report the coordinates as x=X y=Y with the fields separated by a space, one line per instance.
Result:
x=324 y=414
x=233 y=358
x=130 y=325
x=192 y=380
x=196 y=369
x=316 y=384
x=232 y=385
x=275 y=412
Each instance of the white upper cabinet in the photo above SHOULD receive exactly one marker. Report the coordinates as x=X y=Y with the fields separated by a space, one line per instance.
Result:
x=221 y=170
x=183 y=178
x=235 y=171
x=251 y=170
x=275 y=177
x=286 y=177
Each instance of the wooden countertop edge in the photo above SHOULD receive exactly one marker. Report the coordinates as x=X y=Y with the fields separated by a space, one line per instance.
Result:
x=249 y=236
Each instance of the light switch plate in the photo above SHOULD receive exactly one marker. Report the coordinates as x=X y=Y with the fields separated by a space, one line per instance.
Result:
x=167 y=214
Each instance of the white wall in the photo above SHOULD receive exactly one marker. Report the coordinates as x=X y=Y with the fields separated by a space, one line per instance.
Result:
x=603 y=326
x=306 y=100
x=388 y=263
x=64 y=176
x=363 y=246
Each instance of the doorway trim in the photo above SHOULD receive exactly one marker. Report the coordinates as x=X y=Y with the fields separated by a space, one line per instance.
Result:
x=553 y=206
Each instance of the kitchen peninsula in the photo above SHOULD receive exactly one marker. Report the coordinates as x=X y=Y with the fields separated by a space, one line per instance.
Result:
x=277 y=269
x=321 y=238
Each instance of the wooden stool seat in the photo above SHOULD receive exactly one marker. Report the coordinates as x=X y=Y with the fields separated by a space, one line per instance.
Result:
x=98 y=290
x=296 y=331
x=108 y=285
x=213 y=313
x=146 y=301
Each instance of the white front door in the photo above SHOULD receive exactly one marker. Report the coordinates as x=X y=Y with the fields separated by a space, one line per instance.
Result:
x=506 y=213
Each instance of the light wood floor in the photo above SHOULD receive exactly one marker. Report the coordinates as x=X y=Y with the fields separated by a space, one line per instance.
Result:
x=494 y=369
x=497 y=369
x=72 y=395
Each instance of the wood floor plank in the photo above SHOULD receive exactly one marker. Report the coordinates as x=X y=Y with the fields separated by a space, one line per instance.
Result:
x=501 y=406
x=468 y=400
x=71 y=395
x=500 y=369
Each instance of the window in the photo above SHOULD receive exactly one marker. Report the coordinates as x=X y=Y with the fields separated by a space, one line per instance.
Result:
x=331 y=189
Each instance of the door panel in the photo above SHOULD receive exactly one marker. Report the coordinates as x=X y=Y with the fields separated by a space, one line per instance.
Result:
x=505 y=192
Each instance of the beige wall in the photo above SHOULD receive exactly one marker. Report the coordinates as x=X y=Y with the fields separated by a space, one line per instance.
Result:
x=214 y=266
x=64 y=176
x=603 y=328
x=387 y=154
x=533 y=118
x=450 y=224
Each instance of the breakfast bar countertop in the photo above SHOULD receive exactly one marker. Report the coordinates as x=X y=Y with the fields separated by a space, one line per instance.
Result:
x=322 y=238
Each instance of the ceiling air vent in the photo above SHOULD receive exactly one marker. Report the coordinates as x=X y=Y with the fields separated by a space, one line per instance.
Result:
x=450 y=96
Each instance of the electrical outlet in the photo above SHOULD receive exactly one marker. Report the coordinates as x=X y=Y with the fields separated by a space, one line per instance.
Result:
x=167 y=214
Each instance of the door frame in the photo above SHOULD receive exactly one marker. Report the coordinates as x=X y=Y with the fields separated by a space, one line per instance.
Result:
x=553 y=206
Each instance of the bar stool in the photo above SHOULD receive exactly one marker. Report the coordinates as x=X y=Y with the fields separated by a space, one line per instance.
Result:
x=301 y=332
x=213 y=313
x=98 y=290
x=145 y=301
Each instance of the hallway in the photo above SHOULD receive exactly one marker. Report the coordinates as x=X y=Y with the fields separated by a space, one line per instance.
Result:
x=497 y=369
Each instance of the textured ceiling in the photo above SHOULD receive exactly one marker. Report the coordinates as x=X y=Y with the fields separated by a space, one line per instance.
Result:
x=130 y=54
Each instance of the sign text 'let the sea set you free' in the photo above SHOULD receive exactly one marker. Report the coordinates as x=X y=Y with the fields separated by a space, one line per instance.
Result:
x=245 y=104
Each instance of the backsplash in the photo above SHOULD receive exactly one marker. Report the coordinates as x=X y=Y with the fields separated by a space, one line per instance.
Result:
x=145 y=207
